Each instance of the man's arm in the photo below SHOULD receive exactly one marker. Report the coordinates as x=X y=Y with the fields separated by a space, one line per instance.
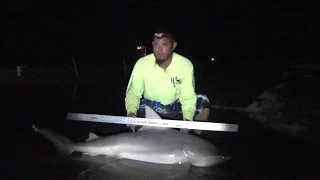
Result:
x=134 y=90
x=188 y=97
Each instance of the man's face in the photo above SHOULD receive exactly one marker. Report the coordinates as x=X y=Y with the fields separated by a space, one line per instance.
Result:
x=163 y=48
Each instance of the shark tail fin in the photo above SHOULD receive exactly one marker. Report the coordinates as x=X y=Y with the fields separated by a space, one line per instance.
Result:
x=63 y=144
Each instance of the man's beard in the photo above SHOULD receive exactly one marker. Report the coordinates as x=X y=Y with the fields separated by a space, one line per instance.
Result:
x=162 y=60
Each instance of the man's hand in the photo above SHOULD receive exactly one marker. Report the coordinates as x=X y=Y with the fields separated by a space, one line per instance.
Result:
x=132 y=126
x=185 y=130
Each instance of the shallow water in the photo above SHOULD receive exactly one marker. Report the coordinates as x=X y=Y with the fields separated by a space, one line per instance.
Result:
x=259 y=152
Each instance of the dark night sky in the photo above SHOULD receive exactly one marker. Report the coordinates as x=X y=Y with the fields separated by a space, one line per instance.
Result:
x=52 y=31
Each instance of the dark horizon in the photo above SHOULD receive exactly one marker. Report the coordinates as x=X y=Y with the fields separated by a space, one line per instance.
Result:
x=50 y=32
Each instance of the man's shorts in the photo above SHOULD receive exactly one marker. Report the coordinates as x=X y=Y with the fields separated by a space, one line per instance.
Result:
x=172 y=111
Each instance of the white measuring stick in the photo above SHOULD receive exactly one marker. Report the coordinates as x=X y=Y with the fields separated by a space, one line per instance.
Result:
x=153 y=122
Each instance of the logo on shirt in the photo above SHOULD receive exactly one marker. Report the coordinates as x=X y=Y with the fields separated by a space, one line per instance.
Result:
x=175 y=81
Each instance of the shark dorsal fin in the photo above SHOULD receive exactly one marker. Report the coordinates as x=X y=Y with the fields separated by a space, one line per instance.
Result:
x=92 y=137
x=151 y=114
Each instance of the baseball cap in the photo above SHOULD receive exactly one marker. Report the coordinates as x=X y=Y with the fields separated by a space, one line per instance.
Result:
x=161 y=32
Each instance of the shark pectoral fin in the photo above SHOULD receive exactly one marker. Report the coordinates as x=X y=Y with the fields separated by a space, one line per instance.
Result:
x=92 y=137
x=179 y=170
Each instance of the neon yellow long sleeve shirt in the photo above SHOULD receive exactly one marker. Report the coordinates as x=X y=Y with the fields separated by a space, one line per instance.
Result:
x=150 y=81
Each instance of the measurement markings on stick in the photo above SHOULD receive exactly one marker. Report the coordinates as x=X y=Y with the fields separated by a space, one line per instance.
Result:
x=154 y=122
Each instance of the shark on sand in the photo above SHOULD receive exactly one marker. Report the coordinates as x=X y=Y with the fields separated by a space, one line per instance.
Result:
x=149 y=144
